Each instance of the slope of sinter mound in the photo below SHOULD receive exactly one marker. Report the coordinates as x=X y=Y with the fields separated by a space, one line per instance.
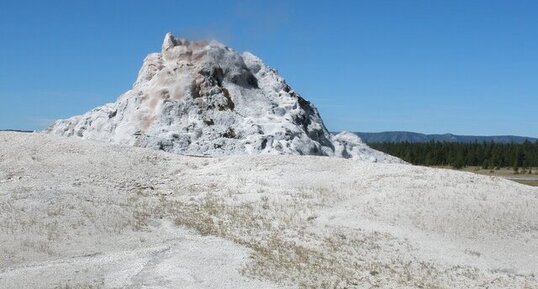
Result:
x=204 y=98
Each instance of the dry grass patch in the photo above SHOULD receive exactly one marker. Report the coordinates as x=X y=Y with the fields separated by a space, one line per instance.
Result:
x=287 y=250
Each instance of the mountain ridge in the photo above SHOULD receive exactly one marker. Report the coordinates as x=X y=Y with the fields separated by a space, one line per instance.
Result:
x=403 y=136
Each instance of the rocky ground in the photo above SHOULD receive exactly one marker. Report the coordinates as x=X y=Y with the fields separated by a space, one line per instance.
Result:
x=79 y=214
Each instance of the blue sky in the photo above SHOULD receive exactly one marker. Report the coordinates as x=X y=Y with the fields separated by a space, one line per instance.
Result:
x=466 y=67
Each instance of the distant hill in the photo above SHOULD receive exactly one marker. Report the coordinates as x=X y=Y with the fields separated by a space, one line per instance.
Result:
x=16 y=130
x=403 y=136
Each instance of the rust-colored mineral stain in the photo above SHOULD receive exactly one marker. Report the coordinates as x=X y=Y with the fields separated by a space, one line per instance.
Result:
x=153 y=103
x=147 y=121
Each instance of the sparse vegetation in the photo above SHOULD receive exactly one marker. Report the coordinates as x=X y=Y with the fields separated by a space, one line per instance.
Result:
x=310 y=222
x=286 y=251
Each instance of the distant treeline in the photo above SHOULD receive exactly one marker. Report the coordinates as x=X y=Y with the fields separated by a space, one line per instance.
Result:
x=487 y=155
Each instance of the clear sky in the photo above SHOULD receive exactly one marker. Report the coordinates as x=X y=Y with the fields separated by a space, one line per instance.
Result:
x=466 y=67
